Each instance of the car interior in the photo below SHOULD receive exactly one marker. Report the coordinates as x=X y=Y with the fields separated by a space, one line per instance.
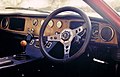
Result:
x=64 y=41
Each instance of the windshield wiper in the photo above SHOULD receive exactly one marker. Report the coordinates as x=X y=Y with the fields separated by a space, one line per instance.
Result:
x=30 y=8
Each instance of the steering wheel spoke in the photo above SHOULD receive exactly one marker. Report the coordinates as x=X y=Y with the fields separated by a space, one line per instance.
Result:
x=67 y=47
x=54 y=37
x=78 y=30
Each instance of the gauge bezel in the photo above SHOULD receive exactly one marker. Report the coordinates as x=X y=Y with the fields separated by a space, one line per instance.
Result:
x=113 y=33
x=6 y=23
x=51 y=23
x=35 y=22
x=59 y=22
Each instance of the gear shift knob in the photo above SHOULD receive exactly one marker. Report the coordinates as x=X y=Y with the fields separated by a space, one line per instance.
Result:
x=23 y=43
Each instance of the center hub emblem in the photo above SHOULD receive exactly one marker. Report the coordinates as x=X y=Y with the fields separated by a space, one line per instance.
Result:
x=65 y=35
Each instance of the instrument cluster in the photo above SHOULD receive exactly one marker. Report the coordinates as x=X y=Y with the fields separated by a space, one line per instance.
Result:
x=54 y=25
x=51 y=23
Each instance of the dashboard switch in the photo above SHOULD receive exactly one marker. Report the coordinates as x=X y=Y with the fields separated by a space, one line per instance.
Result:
x=29 y=37
x=48 y=44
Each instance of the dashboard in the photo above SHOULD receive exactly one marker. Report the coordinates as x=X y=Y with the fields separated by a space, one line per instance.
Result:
x=102 y=32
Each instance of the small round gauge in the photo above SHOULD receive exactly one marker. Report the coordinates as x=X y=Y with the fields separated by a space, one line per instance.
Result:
x=4 y=23
x=35 y=22
x=107 y=33
x=50 y=24
x=59 y=24
x=42 y=21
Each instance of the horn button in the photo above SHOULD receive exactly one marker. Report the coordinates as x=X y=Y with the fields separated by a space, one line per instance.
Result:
x=66 y=35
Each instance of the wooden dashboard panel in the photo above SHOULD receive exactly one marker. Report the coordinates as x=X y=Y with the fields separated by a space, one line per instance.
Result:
x=34 y=24
x=49 y=30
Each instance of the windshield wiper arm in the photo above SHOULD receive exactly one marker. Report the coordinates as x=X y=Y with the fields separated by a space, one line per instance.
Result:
x=32 y=9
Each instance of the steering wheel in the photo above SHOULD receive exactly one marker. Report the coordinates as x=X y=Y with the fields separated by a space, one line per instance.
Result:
x=66 y=36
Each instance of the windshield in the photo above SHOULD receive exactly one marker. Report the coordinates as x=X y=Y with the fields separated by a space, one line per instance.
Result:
x=115 y=4
x=51 y=5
